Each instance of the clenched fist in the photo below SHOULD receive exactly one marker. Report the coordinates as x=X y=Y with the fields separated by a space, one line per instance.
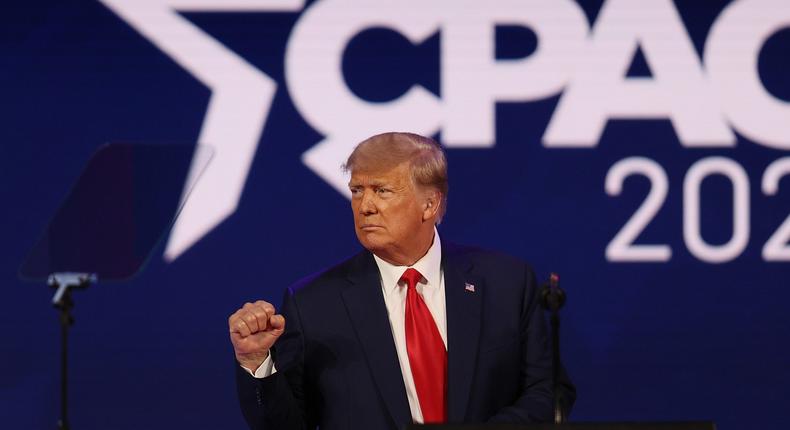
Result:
x=253 y=330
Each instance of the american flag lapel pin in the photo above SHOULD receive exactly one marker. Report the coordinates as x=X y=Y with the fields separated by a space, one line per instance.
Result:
x=469 y=287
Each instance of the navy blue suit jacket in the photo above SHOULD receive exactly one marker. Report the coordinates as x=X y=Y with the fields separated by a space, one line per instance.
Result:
x=337 y=366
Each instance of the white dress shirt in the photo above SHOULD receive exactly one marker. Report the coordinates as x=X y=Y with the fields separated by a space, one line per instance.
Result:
x=431 y=287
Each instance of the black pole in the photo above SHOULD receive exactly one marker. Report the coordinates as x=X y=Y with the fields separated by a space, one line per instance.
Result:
x=559 y=413
x=552 y=299
x=65 y=321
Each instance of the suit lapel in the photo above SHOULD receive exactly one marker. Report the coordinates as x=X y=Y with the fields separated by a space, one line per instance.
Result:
x=463 y=295
x=365 y=306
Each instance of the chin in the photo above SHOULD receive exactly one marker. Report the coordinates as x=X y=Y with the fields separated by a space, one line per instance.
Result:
x=372 y=241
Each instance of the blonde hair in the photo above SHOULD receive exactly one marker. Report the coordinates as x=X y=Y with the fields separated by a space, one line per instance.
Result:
x=428 y=164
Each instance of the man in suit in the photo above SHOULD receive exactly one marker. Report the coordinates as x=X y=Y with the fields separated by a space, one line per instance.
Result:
x=411 y=329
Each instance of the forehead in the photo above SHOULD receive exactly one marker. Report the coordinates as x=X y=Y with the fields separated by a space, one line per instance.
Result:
x=398 y=175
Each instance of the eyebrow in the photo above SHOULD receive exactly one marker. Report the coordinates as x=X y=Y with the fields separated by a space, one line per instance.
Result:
x=371 y=183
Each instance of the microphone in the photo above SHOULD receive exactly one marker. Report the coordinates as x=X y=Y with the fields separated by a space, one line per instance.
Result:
x=551 y=295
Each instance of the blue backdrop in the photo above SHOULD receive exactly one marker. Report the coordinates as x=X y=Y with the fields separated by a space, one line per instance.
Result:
x=677 y=280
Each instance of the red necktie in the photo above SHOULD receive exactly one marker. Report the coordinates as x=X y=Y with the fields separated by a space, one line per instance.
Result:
x=427 y=355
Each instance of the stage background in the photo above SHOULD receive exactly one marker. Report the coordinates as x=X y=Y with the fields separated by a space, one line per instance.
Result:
x=701 y=334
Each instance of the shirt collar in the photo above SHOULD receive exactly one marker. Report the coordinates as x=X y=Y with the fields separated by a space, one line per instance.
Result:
x=429 y=266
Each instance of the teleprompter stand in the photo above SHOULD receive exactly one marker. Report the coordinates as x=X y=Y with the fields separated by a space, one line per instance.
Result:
x=122 y=204
x=64 y=284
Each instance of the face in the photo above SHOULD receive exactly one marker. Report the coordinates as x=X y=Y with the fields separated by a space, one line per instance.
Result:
x=392 y=218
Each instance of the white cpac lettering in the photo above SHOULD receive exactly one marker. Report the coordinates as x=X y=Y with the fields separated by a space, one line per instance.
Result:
x=315 y=79
x=731 y=53
x=591 y=70
x=600 y=91
x=473 y=80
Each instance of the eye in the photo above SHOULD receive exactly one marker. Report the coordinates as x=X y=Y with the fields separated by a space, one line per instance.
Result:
x=383 y=191
x=355 y=191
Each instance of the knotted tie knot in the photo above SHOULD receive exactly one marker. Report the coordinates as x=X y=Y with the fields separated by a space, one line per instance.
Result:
x=411 y=277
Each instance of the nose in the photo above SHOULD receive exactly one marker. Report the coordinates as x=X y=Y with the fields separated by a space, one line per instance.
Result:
x=367 y=206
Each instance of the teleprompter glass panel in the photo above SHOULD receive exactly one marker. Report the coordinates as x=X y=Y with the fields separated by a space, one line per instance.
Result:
x=126 y=198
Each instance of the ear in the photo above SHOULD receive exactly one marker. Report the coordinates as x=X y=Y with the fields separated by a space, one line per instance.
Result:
x=431 y=202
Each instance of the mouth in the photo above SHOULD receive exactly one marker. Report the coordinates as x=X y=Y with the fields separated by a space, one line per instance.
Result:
x=369 y=227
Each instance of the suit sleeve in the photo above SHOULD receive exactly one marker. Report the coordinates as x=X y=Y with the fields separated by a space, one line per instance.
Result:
x=279 y=401
x=535 y=402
